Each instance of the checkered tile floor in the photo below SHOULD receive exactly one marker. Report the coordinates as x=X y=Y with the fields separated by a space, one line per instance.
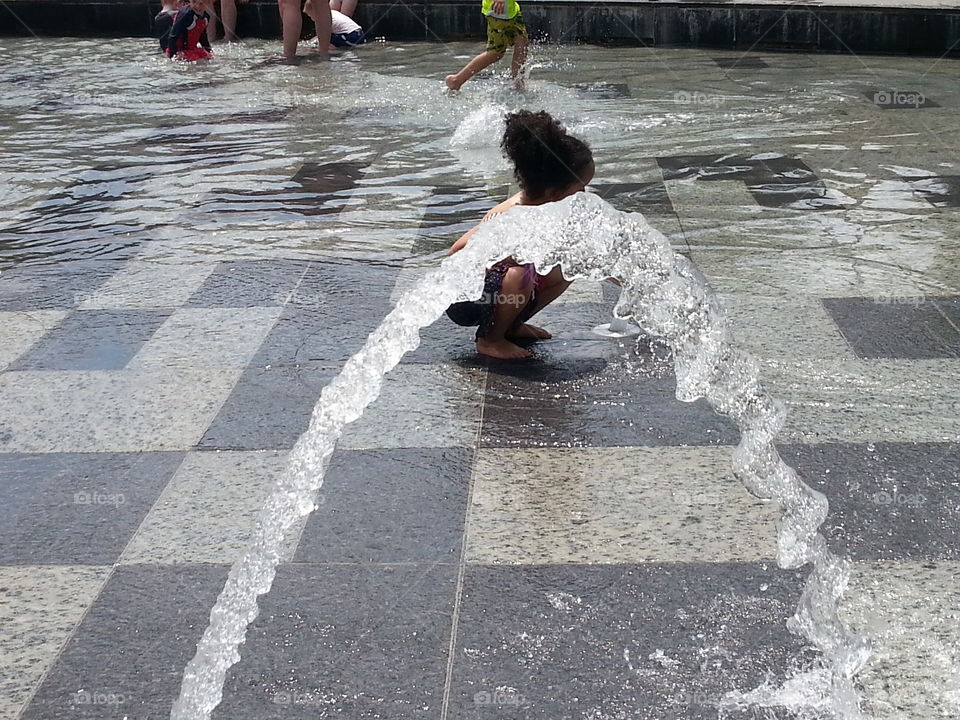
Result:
x=555 y=539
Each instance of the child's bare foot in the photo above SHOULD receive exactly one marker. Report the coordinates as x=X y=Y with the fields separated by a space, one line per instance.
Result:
x=502 y=349
x=452 y=84
x=529 y=332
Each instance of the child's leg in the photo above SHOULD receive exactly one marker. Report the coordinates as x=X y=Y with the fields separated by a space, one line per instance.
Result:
x=292 y=22
x=319 y=11
x=228 y=15
x=520 y=47
x=550 y=287
x=347 y=7
x=212 y=25
x=511 y=300
x=481 y=61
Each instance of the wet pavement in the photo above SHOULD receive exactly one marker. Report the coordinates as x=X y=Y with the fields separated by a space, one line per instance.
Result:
x=555 y=539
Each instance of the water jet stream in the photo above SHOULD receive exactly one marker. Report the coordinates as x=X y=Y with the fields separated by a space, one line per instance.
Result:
x=668 y=298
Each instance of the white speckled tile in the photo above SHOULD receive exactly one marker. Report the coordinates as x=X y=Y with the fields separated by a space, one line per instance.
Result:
x=614 y=505
x=109 y=411
x=23 y=329
x=142 y=284
x=39 y=608
x=421 y=406
x=911 y=613
x=868 y=400
x=777 y=328
x=207 y=337
x=207 y=512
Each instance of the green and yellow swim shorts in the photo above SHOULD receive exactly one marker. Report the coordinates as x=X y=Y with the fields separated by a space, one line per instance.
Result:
x=501 y=34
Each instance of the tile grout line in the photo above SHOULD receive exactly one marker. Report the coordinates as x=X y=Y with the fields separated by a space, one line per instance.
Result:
x=462 y=565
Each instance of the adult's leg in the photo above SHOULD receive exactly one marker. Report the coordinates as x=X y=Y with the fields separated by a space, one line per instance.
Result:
x=290 y=18
x=484 y=59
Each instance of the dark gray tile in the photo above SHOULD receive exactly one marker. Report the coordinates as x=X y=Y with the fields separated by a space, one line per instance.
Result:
x=636 y=197
x=899 y=99
x=941 y=191
x=888 y=501
x=597 y=392
x=93 y=340
x=353 y=641
x=315 y=189
x=451 y=211
x=53 y=286
x=744 y=62
x=127 y=657
x=76 y=508
x=603 y=91
x=268 y=409
x=329 y=315
x=773 y=181
x=899 y=327
x=249 y=283
x=665 y=641
x=400 y=505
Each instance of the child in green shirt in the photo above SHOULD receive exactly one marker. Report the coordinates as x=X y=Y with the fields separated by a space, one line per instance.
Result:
x=504 y=28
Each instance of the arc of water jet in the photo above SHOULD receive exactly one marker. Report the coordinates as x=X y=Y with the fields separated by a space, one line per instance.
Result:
x=667 y=297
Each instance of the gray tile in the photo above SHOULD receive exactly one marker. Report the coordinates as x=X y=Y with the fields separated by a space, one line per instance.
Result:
x=329 y=314
x=451 y=211
x=397 y=505
x=372 y=643
x=93 y=340
x=39 y=608
x=594 y=393
x=207 y=513
x=268 y=409
x=604 y=91
x=649 y=197
x=58 y=286
x=126 y=659
x=562 y=641
x=615 y=505
x=22 y=329
x=892 y=327
x=888 y=501
x=76 y=508
x=145 y=284
x=743 y=62
x=249 y=283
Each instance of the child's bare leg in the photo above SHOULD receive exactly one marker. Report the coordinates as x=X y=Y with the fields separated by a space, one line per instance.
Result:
x=290 y=18
x=212 y=25
x=551 y=286
x=512 y=298
x=319 y=11
x=481 y=61
x=347 y=7
x=520 y=48
x=228 y=16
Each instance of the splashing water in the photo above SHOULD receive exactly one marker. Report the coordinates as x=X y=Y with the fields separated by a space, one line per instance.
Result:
x=668 y=298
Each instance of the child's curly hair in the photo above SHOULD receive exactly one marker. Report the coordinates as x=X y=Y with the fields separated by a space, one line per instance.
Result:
x=544 y=156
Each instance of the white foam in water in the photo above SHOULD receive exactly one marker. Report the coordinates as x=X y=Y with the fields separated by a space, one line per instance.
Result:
x=668 y=298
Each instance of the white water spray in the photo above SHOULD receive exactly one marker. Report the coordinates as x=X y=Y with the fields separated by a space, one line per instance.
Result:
x=668 y=298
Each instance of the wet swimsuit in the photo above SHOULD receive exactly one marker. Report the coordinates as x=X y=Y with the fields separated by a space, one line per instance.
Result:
x=188 y=34
x=481 y=312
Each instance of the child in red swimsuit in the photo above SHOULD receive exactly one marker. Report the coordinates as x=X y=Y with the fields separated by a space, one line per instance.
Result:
x=188 y=36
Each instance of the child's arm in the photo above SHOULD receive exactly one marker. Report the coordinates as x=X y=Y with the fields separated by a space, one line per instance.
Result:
x=461 y=243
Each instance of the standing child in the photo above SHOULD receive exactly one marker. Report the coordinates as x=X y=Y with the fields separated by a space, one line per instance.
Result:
x=549 y=165
x=504 y=28
x=188 y=36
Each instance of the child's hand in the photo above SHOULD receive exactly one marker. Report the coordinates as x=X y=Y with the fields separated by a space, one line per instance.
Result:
x=497 y=7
